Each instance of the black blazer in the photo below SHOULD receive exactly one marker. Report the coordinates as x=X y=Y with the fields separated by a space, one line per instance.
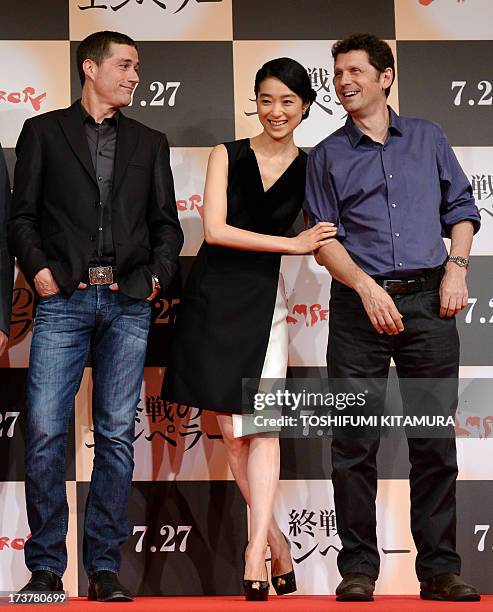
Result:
x=54 y=217
x=6 y=264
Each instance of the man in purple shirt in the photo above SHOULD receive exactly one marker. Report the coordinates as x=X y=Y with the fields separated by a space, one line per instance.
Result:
x=394 y=187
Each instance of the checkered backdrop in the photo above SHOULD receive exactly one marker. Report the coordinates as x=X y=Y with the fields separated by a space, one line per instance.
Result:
x=199 y=57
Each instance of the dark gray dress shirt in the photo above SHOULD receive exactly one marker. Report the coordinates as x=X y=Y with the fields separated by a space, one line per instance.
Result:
x=101 y=138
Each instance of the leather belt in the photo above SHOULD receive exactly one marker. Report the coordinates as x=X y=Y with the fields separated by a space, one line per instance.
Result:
x=430 y=279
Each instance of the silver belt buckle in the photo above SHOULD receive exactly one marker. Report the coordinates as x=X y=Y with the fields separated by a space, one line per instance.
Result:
x=103 y=275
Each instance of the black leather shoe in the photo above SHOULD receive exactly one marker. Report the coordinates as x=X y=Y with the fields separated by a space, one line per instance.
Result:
x=355 y=587
x=448 y=587
x=43 y=580
x=105 y=586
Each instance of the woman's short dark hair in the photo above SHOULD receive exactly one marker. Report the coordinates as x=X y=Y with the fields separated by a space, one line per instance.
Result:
x=292 y=74
x=96 y=47
x=379 y=52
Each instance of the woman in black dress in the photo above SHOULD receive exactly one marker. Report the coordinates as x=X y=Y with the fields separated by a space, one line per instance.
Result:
x=232 y=319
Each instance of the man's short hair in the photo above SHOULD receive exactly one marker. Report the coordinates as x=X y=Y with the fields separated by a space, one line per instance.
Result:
x=379 y=52
x=96 y=47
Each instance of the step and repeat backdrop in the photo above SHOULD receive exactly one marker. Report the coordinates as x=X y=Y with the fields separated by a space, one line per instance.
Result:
x=188 y=522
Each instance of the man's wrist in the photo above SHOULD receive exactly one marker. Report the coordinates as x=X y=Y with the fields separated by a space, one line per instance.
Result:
x=156 y=283
x=458 y=260
x=363 y=283
x=39 y=271
x=452 y=268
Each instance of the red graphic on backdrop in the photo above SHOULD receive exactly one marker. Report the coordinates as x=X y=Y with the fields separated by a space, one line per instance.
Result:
x=474 y=427
x=27 y=95
x=309 y=315
x=193 y=202
x=428 y=2
x=14 y=543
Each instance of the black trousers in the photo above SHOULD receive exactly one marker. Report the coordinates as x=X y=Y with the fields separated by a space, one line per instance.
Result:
x=427 y=348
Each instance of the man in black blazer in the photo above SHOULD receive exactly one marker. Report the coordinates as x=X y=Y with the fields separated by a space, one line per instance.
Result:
x=95 y=230
x=6 y=268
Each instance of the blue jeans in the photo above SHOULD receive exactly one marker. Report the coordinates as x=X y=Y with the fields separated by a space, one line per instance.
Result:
x=114 y=328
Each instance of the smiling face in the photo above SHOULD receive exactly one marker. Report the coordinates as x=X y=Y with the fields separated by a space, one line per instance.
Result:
x=114 y=80
x=358 y=85
x=280 y=110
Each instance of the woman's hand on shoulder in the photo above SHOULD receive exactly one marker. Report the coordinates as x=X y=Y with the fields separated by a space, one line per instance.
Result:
x=312 y=239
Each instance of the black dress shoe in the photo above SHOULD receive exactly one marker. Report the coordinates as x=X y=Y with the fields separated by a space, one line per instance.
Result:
x=105 y=586
x=355 y=587
x=448 y=587
x=41 y=581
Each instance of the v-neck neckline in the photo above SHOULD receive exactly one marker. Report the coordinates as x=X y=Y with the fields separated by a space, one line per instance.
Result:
x=266 y=191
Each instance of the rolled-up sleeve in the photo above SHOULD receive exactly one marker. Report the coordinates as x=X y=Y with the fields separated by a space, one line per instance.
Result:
x=320 y=197
x=457 y=198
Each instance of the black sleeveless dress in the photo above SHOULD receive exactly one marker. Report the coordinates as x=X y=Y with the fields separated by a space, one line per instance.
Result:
x=228 y=306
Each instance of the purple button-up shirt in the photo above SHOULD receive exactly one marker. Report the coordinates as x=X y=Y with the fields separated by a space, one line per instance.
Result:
x=392 y=203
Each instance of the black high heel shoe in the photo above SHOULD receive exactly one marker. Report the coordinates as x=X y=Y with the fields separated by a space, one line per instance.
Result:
x=255 y=590
x=285 y=583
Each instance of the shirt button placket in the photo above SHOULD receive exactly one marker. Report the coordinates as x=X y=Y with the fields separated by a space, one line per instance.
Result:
x=394 y=218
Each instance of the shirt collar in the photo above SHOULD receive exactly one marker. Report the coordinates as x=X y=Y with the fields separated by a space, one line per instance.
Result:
x=355 y=135
x=86 y=117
